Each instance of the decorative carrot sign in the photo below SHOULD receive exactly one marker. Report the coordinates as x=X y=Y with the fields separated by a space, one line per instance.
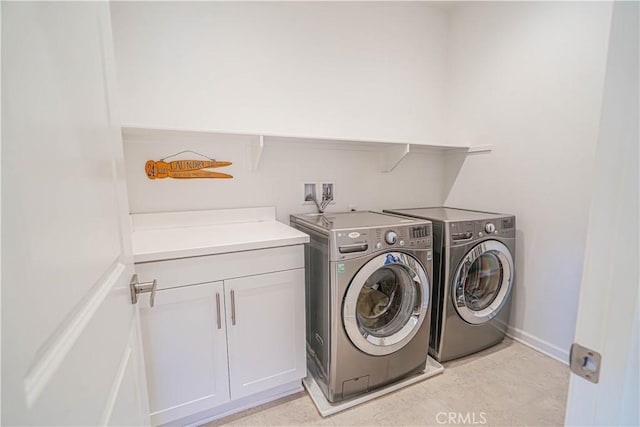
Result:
x=185 y=168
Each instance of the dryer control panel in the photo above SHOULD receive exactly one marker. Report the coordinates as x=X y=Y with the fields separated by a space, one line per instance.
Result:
x=462 y=232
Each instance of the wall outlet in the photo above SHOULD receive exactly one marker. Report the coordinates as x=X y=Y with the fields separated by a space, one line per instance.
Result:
x=309 y=191
x=328 y=193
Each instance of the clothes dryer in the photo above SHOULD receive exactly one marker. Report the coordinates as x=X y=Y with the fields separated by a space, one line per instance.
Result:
x=474 y=269
x=368 y=292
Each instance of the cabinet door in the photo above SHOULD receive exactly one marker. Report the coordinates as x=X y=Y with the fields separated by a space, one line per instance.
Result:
x=265 y=331
x=185 y=351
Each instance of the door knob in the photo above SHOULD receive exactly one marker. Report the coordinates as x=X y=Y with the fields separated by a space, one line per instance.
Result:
x=142 y=288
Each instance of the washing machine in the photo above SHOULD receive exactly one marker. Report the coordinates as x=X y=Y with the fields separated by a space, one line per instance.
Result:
x=473 y=267
x=368 y=293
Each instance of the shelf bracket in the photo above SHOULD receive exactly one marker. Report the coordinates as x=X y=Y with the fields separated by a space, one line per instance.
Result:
x=394 y=156
x=480 y=149
x=257 y=146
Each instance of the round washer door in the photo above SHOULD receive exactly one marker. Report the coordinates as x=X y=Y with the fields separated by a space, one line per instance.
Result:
x=482 y=282
x=386 y=303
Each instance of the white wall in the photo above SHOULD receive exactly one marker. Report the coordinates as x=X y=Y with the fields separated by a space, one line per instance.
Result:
x=364 y=71
x=351 y=70
x=280 y=177
x=528 y=78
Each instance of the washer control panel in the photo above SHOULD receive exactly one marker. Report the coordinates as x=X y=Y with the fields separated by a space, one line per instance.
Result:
x=353 y=241
x=408 y=237
x=391 y=237
x=357 y=242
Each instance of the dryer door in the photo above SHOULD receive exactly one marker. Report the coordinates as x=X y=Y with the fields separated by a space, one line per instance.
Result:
x=482 y=282
x=386 y=302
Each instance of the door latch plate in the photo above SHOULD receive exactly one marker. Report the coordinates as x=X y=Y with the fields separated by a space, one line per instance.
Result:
x=585 y=362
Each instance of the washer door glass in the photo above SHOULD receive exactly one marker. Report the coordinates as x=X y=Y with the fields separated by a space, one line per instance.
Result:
x=386 y=303
x=483 y=281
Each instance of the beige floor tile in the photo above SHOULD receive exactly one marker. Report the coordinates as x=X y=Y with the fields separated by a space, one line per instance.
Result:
x=300 y=411
x=509 y=384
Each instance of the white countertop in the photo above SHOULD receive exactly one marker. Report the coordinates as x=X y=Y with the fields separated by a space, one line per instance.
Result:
x=172 y=235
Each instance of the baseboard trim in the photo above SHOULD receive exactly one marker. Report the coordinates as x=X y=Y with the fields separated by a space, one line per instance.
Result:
x=538 y=344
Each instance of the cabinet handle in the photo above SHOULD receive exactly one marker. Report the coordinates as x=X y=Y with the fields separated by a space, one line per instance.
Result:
x=218 y=311
x=233 y=307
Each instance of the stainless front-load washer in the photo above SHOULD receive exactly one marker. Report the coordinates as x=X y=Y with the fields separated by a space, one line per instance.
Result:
x=368 y=298
x=474 y=256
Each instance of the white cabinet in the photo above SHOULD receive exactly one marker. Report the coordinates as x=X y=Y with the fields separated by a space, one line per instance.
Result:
x=185 y=349
x=212 y=343
x=265 y=331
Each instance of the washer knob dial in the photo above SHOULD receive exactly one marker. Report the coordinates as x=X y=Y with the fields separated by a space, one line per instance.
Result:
x=391 y=237
x=489 y=227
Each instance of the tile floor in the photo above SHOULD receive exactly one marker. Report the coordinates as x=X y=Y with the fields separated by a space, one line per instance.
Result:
x=507 y=385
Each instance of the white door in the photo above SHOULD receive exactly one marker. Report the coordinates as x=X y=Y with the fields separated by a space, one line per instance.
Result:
x=185 y=348
x=70 y=343
x=265 y=331
x=608 y=309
